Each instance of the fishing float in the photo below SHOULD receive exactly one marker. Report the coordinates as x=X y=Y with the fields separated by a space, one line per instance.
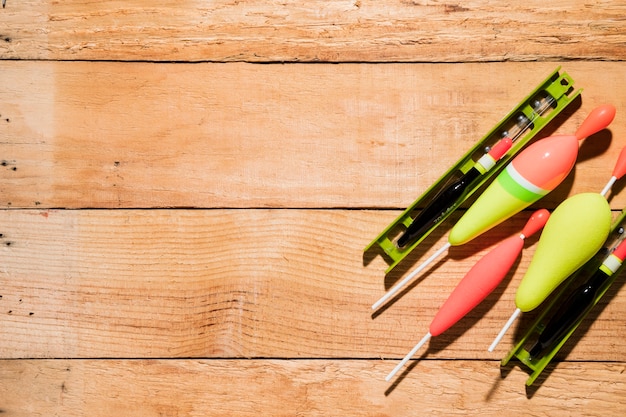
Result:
x=478 y=283
x=575 y=232
x=532 y=174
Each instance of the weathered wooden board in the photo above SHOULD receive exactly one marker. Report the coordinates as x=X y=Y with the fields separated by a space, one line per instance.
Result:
x=305 y=31
x=84 y=134
x=240 y=283
x=300 y=387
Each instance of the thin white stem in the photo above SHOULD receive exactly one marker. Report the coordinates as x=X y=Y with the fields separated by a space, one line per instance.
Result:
x=608 y=186
x=409 y=277
x=408 y=356
x=506 y=327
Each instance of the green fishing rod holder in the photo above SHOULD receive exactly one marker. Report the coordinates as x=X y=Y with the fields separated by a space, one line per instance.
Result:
x=521 y=349
x=558 y=87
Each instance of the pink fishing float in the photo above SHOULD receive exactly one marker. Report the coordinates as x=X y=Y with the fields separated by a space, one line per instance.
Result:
x=479 y=282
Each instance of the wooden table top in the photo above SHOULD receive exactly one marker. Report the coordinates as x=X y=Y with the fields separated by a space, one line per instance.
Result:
x=187 y=189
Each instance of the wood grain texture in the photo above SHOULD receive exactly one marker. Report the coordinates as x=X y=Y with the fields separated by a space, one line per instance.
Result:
x=301 y=31
x=298 y=387
x=184 y=204
x=244 y=135
x=241 y=283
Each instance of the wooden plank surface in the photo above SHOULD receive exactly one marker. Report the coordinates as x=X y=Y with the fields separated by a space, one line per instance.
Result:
x=245 y=135
x=298 y=387
x=304 y=31
x=239 y=283
x=185 y=204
